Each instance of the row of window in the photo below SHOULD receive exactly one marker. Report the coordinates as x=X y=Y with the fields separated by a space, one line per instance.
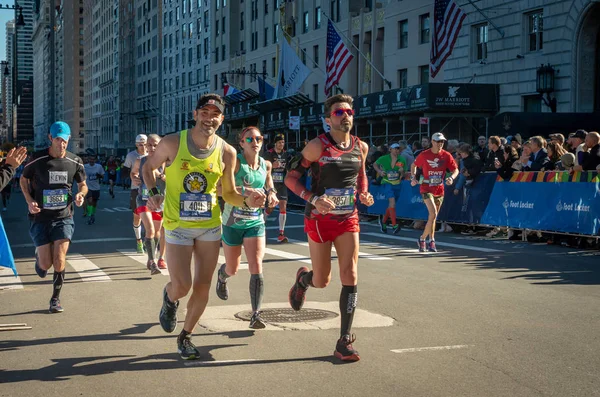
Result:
x=199 y=76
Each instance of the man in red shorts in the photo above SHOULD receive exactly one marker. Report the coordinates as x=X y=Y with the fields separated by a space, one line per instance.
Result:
x=434 y=163
x=337 y=162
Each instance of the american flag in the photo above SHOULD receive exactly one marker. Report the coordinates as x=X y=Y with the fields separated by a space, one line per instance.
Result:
x=448 y=19
x=338 y=58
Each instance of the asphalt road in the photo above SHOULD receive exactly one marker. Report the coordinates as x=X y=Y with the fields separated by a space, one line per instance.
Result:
x=480 y=318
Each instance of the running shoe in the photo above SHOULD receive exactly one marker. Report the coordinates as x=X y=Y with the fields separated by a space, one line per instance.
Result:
x=55 y=306
x=222 y=290
x=396 y=228
x=382 y=225
x=282 y=239
x=93 y=219
x=431 y=246
x=161 y=264
x=344 y=350
x=40 y=272
x=256 y=322
x=154 y=270
x=297 y=292
x=421 y=245
x=186 y=348
x=168 y=313
x=140 y=247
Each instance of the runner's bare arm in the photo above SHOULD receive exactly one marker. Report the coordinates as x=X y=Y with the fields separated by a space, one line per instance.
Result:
x=82 y=191
x=166 y=151
x=228 y=190
x=135 y=169
x=298 y=166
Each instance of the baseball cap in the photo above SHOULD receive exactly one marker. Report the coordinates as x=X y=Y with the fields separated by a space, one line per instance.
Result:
x=438 y=136
x=141 y=138
x=395 y=146
x=517 y=137
x=279 y=137
x=60 y=129
x=205 y=101
x=581 y=134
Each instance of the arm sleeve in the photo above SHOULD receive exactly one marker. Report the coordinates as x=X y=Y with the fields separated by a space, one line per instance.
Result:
x=362 y=182
x=297 y=167
x=6 y=175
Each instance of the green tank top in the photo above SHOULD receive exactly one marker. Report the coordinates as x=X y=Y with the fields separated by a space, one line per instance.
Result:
x=239 y=217
x=191 y=189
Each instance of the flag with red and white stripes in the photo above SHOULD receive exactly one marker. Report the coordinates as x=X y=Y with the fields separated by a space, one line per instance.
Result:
x=447 y=21
x=338 y=58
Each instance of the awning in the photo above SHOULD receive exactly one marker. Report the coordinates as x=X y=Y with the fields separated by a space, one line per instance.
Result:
x=242 y=96
x=292 y=101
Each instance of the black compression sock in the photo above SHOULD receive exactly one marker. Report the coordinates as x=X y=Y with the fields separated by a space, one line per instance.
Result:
x=257 y=287
x=58 y=279
x=150 y=247
x=348 y=300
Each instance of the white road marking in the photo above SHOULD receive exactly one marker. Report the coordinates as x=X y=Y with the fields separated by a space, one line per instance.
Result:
x=438 y=243
x=86 y=268
x=433 y=348
x=8 y=279
x=143 y=258
x=287 y=255
x=363 y=255
x=286 y=226
x=208 y=363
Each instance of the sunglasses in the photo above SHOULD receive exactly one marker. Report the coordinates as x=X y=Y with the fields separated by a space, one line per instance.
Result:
x=257 y=139
x=341 y=112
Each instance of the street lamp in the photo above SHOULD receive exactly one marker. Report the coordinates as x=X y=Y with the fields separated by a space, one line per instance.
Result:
x=545 y=85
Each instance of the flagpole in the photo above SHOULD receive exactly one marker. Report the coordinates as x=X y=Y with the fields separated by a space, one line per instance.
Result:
x=389 y=83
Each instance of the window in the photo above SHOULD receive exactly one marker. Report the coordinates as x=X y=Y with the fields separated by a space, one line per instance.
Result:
x=535 y=24
x=305 y=23
x=266 y=7
x=177 y=37
x=273 y=67
x=190 y=56
x=223 y=24
x=275 y=33
x=242 y=20
x=532 y=103
x=402 y=78
x=316 y=56
x=317 y=18
x=334 y=10
x=198 y=52
x=185 y=6
x=481 y=39
x=424 y=28
x=177 y=15
x=223 y=52
x=191 y=32
x=424 y=74
x=316 y=92
x=216 y=55
x=216 y=29
x=242 y=46
x=266 y=37
x=403 y=34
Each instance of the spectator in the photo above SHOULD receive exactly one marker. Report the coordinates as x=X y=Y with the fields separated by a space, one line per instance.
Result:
x=591 y=156
x=510 y=156
x=452 y=148
x=517 y=143
x=469 y=165
x=557 y=138
x=503 y=141
x=567 y=161
x=520 y=164
x=407 y=153
x=539 y=156
x=14 y=158
x=482 y=149
x=578 y=145
x=496 y=152
x=416 y=148
x=425 y=143
x=555 y=152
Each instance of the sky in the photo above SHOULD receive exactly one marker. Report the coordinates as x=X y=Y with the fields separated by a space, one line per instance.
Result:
x=5 y=16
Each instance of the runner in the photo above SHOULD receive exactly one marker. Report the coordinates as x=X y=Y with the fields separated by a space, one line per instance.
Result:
x=391 y=169
x=152 y=220
x=139 y=152
x=434 y=163
x=196 y=160
x=94 y=173
x=247 y=225
x=111 y=168
x=279 y=159
x=47 y=186
x=337 y=162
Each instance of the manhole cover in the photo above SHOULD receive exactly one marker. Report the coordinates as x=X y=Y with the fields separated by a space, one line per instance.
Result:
x=289 y=315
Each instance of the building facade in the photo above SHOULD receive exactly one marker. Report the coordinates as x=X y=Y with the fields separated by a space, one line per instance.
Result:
x=44 y=70
x=127 y=78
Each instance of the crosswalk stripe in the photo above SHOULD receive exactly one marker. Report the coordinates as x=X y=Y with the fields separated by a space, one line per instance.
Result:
x=8 y=279
x=86 y=269
x=363 y=255
x=143 y=258
x=287 y=255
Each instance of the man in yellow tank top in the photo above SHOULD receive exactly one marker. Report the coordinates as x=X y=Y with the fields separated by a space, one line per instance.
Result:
x=195 y=160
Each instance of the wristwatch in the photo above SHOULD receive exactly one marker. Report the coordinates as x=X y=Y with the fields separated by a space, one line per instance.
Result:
x=272 y=190
x=153 y=192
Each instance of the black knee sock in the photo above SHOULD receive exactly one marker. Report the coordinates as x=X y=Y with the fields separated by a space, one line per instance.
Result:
x=150 y=247
x=306 y=280
x=57 y=282
x=256 y=290
x=348 y=299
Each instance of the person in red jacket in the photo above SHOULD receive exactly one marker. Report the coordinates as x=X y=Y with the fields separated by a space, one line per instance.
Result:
x=434 y=163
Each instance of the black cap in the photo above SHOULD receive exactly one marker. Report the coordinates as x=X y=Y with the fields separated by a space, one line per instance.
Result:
x=210 y=100
x=279 y=137
x=581 y=134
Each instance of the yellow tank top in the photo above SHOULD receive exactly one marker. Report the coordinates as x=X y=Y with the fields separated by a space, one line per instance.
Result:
x=191 y=191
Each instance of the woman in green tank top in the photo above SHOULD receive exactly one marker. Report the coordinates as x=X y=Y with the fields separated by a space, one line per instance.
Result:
x=245 y=226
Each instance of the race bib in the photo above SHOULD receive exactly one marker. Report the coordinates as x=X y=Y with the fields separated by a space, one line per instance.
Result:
x=247 y=214
x=435 y=180
x=145 y=194
x=343 y=200
x=195 y=206
x=278 y=177
x=393 y=176
x=55 y=199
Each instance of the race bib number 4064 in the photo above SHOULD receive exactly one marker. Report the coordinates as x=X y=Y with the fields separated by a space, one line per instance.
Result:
x=195 y=207
x=343 y=200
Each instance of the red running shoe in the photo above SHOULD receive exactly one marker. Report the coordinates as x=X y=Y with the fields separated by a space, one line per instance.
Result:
x=344 y=350
x=297 y=292
x=162 y=264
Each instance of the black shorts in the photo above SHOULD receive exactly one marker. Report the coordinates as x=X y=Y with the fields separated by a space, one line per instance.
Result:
x=282 y=191
x=93 y=194
x=133 y=199
x=112 y=177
